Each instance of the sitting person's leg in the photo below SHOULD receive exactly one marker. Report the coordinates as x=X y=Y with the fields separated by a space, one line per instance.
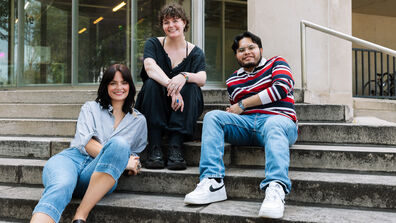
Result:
x=218 y=127
x=182 y=124
x=60 y=176
x=278 y=133
x=99 y=177
x=154 y=104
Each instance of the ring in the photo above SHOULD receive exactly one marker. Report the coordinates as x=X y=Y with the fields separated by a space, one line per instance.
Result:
x=177 y=100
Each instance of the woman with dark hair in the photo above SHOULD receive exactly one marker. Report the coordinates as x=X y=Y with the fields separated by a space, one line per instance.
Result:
x=109 y=134
x=171 y=99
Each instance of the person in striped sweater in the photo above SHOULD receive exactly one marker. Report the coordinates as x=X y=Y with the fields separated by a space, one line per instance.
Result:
x=261 y=114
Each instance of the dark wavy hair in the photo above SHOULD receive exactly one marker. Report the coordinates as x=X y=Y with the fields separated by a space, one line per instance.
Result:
x=103 y=95
x=247 y=34
x=174 y=10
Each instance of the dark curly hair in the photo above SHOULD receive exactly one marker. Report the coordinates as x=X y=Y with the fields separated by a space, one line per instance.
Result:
x=103 y=95
x=174 y=10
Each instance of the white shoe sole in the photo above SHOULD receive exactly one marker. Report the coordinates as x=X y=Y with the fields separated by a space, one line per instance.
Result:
x=213 y=199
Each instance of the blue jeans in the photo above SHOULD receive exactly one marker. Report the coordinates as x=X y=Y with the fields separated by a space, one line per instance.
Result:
x=68 y=173
x=275 y=133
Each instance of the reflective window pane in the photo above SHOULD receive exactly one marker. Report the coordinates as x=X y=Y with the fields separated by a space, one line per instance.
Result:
x=47 y=42
x=223 y=21
x=103 y=37
x=5 y=59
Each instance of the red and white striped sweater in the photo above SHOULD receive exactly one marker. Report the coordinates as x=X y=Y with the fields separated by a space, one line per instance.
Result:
x=272 y=80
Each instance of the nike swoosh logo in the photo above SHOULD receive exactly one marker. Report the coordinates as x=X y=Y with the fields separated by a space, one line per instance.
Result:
x=215 y=189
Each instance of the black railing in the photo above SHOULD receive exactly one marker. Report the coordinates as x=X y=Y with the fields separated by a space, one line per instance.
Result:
x=374 y=74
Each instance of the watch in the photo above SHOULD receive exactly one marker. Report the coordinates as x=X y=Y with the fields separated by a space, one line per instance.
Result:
x=240 y=104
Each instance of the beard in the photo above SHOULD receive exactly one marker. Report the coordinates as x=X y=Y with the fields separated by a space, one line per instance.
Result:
x=251 y=64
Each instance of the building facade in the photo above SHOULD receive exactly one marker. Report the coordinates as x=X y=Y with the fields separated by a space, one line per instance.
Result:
x=47 y=43
x=70 y=43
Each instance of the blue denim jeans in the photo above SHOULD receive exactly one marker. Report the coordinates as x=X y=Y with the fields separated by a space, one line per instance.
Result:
x=68 y=173
x=275 y=133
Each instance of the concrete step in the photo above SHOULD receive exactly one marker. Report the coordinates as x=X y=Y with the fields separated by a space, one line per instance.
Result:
x=74 y=96
x=38 y=127
x=305 y=112
x=327 y=188
x=40 y=111
x=303 y=156
x=348 y=133
x=10 y=220
x=339 y=133
x=340 y=157
x=32 y=147
x=18 y=202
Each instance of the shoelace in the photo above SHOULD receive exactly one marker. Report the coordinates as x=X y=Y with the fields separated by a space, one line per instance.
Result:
x=272 y=194
x=156 y=151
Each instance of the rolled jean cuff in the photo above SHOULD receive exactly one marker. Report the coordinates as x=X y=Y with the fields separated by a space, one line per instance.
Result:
x=49 y=210
x=210 y=176
x=109 y=169
x=263 y=186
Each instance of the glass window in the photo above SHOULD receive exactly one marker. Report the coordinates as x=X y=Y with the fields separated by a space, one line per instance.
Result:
x=103 y=37
x=223 y=21
x=6 y=78
x=46 y=43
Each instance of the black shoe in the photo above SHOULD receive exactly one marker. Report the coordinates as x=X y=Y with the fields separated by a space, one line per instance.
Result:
x=175 y=159
x=155 y=158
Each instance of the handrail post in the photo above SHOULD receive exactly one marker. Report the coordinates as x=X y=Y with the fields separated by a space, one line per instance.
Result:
x=303 y=58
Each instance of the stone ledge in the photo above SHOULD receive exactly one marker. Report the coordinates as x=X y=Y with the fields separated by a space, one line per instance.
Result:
x=347 y=189
x=18 y=203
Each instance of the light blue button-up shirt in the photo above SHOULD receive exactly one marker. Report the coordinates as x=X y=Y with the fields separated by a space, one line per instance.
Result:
x=96 y=122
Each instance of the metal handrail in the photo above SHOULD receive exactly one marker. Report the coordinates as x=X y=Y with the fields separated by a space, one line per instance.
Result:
x=304 y=24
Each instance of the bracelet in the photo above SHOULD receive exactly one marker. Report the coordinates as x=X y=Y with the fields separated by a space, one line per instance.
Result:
x=241 y=105
x=184 y=75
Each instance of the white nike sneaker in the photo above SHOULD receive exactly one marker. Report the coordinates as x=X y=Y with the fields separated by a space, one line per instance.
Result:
x=207 y=191
x=274 y=202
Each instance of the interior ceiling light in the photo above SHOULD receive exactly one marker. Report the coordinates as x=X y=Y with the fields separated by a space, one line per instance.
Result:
x=26 y=5
x=98 y=20
x=122 y=4
x=16 y=20
x=82 y=30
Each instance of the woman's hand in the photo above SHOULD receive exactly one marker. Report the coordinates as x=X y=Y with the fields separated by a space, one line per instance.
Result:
x=133 y=166
x=177 y=102
x=176 y=84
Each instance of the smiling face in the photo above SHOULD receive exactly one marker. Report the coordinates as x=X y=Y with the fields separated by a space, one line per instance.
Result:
x=173 y=27
x=118 y=88
x=248 y=54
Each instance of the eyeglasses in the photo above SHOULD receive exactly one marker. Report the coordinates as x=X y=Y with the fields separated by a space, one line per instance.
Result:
x=250 y=48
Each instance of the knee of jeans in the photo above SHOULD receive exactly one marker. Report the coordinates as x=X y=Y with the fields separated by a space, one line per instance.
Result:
x=63 y=187
x=212 y=116
x=119 y=146
x=275 y=122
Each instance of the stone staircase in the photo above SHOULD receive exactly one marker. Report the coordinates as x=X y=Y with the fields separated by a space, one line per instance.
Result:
x=342 y=170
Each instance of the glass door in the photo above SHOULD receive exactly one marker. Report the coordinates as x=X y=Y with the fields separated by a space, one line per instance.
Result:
x=104 y=28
